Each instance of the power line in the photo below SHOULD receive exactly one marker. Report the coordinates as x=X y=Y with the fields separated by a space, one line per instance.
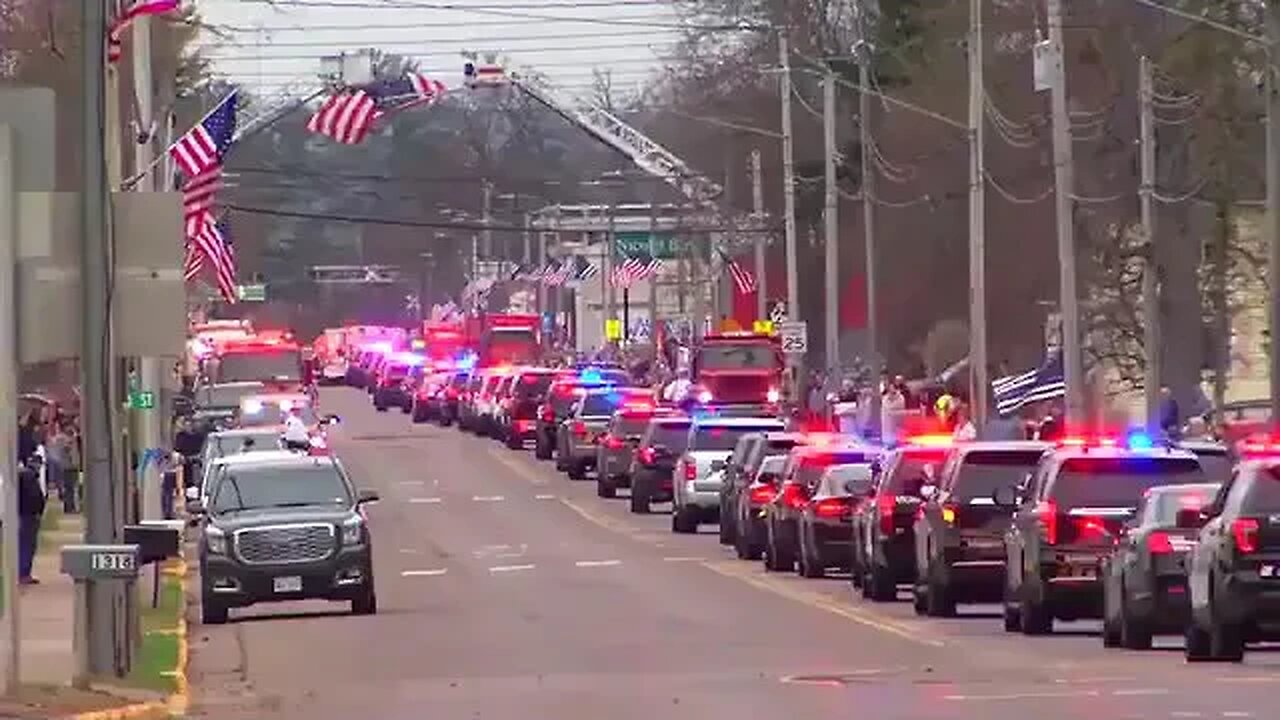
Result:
x=655 y=61
x=328 y=47
x=413 y=4
x=357 y=27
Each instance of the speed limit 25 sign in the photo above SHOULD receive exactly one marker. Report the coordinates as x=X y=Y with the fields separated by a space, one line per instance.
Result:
x=794 y=336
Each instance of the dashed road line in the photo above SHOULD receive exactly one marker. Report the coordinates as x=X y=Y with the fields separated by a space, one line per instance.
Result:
x=544 y=497
x=412 y=483
x=684 y=558
x=423 y=573
x=1024 y=696
x=425 y=501
x=597 y=563
x=487 y=498
x=511 y=568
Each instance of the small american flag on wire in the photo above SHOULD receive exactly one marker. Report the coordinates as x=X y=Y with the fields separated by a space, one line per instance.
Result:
x=634 y=269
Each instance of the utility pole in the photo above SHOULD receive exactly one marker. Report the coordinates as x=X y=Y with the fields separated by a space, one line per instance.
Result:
x=487 y=219
x=979 y=385
x=527 y=250
x=9 y=398
x=101 y=475
x=789 y=210
x=1150 y=268
x=653 y=279
x=831 y=308
x=606 y=282
x=869 y=238
x=1064 y=186
x=757 y=211
x=1273 y=193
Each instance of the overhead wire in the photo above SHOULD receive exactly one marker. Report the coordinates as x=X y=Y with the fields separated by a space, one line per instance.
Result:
x=1175 y=199
x=1015 y=199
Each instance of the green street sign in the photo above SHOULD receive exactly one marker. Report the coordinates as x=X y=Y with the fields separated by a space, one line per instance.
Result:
x=142 y=400
x=252 y=293
x=636 y=244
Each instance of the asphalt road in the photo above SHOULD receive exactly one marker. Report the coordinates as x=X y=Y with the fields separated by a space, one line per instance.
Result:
x=508 y=591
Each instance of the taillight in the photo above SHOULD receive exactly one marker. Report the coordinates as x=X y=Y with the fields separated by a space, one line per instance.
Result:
x=1047 y=513
x=1158 y=543
x=690 y=469
x=1092 y=530
x=647 y=456
x=761 y=495
x=613 y=443
x=886 y=504
x=579 y=428
x=452 y=393
x=949 y=514
x=792 y=496
x=1245 y=532
x=831 y=508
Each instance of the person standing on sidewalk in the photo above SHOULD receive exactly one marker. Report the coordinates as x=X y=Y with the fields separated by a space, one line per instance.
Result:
x=31 y=502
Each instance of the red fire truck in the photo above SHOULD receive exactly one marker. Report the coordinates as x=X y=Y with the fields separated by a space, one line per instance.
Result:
x=504 y=339
x=737 y=368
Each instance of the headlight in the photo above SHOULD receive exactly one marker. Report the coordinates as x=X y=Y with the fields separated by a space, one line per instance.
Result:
x=215 y=540
x=351 y=531
x=772 y=396
x=705 y=397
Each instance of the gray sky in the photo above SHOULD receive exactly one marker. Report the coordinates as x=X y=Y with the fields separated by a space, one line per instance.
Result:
x=270 y=44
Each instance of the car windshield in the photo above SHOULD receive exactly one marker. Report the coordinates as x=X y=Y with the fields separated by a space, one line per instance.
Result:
x=1163 y=507
x=629 y=426
x=911 y=470
x=1216 y=466
x=252 y=415
x=1119 y=482
x=266 y=486
x=983 y=471
x=226 y=396
x=1264 y=494
x=533 y=386
x=605 y=403
x=459 y=381
x=223 y=445
x=397 y=371
x=245 y=366
x=672 y=436
x=773 y=464
x=746 y=356
x=837 y=479
x=721 y=437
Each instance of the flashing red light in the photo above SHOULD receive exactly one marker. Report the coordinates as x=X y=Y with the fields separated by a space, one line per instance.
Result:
x=524 y=425
x=579 y=428
x=1245 y=533
x=547 y=414
x=1158 y=543
x=932 y=440
x=1073 y=442
x=1047 y=513
x=647 y=455
x=613 y=442
x=690 y=469
x=761 y=495
x=793 y=495
x=885 y=505
x=831 y=508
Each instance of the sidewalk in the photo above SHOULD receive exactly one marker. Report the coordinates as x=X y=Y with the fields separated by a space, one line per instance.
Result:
x=47 y=657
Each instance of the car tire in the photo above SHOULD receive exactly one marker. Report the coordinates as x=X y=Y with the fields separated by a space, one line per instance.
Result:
x=939 y=601
x=561 y=464
x=366 y=604
x=726 y=530
x=809 y=568
x=541 y=450
x=605 y=487
x=445 y=421
x=1012 y=618
x=1134 y=634
x=212 y=612
x=1198 y=647
x=514 y=441
x=1226 y=643
x=880 y=585
x=639 y=500
x=417 y=417
x=1035 y=618
x=576 y=471
x=1110 y=633
x=920 y=598
x=684 y=520
x=743 y=548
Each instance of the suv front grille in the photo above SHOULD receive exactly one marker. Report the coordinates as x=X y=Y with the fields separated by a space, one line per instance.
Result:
x=279 y=544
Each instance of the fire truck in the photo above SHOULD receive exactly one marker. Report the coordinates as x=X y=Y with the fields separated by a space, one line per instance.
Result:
x=443 y=343
x=737 y=368
x=271 y=358
x=504 y=339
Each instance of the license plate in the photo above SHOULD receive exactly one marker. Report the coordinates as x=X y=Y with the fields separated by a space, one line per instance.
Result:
x=288 y=584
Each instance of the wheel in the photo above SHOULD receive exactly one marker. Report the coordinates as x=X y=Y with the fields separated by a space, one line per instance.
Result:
x=639 y=500
x=880 y=584
x=1036 y=619
x=1226 y=643
x=808 y=566
x=1012 y=618
x=684 y=521
x=561 y=464
x=417 y=417
x=212 y=612
x=939 y=601
x=744 y=549
x=920 y=598
x=1134 y=633
x=605 y=487
x=404 y=409
x=1198 y=648
x=379 y=407
x=514 y=441
x=1110 y=633
x=541 y=449
x=445 y=421
x=366 y=604
x=727 y=529
x=576 y=471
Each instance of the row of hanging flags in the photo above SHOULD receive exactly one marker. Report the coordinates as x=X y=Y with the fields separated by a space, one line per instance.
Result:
x=626 y=273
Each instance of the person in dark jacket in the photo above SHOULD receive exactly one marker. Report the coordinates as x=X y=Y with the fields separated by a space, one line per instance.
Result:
x=31 y=500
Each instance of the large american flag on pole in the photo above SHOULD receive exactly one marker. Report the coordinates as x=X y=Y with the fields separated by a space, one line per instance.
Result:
x=132 y=10
x=214 y=245
x=200 y=153
x=348 y=116
x=743 y=280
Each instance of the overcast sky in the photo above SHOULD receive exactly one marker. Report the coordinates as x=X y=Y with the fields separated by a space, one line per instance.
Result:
x=272 y=43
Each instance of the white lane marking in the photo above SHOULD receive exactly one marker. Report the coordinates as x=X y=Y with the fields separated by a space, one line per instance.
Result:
x=683 y=558
x=1236 y=714
x=544 y=497
x=487 y=498
x=597 y=563
x=1025 y=696
x=408 y=551
x=423 y=573
x=510 y=568
x=1134 y=692
x=412 y=483
x=426 y=501
x=1185 y=714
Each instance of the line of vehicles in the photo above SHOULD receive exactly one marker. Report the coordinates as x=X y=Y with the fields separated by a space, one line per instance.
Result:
x=1150 y=538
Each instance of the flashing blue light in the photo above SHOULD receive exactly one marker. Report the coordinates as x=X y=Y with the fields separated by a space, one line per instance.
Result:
x=467 y=362
x=591 y=376
x=1140 y=441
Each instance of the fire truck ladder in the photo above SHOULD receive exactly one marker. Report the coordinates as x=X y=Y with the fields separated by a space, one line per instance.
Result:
x=647 y=155
x=288 y=98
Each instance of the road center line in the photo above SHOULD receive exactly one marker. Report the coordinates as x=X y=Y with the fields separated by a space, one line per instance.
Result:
x=425 y=501
x=423 y=573
x=1025 y=696
x=597 y=563
x=510 y=568
x=544 y=497
x=413 y=483
x=683 y=558
x=487 y=498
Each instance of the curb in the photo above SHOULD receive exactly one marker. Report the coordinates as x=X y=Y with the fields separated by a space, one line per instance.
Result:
x=178 y=701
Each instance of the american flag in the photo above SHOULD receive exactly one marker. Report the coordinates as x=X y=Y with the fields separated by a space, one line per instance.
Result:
x=634 y=269
x=348 y=116
x=198 y=194
x=203 y=146
x=133 y=11
x=586 y=270
x=193 y=263
x=558 y=276
x=743 y=280
x=214 y=243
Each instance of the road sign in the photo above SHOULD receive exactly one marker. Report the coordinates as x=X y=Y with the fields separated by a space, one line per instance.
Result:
x=762 y=327
x=142 y=400
x=636 y=244
x=778 y=312
x=795 y=337
x=251 y=293
x=612 y=329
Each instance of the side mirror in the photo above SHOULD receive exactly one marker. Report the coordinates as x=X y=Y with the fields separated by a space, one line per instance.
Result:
x=195 y=506
x=192 y=493
x=332 y=420
x=718 y=465
x=365 y=497
x=633 y=439
x=1192 y=518
x=1005 y=496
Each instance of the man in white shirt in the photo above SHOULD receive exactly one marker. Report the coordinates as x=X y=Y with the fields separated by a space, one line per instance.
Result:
x=296 y=434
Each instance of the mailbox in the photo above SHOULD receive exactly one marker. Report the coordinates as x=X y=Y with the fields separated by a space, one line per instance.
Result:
x=100 y=562
x=156 y=539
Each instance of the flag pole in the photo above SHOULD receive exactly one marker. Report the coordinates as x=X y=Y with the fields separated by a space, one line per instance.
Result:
x=133 y=180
